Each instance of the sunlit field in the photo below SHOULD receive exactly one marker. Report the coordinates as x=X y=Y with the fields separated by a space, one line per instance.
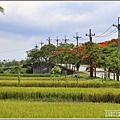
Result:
x=48 y=97
x=25 y=109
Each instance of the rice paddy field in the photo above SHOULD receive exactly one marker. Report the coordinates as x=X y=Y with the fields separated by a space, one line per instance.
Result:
x=49 y=97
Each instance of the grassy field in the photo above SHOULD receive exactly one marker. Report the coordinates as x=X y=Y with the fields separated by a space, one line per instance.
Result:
x=61 y=94
x=25 y=109
x=42 y=96
x=43 y=81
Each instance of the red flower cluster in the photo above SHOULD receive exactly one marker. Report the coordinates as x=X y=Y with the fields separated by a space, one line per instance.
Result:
x=103 y=44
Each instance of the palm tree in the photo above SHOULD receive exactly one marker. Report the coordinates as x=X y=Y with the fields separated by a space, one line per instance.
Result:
x=1 y=10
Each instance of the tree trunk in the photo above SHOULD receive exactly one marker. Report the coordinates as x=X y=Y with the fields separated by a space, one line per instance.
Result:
x=77 y=68
x=105 y=73
x=117 y=75
x=95 y=72
x=114 y=75
x=91 y=71
x=108 y=73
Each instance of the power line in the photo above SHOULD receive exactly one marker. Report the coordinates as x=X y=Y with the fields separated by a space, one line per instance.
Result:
x=105 y=31
x=71 y=40
x=13 y=50
x=84 y=38
x=109 y=34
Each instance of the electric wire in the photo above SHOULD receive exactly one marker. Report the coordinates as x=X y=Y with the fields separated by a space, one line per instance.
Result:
x=13 y=50
x=109 y=34
x=106 y=31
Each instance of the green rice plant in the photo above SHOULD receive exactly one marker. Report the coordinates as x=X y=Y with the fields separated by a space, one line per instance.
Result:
x=26 y=75
x=39 y=84
x=27 y=109
x=60 y=83
x=61 y=94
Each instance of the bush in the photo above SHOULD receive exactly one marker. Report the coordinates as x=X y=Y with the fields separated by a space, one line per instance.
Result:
x=1 y=70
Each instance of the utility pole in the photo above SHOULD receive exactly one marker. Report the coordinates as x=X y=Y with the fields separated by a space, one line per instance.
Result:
x=41 y=43
x=91 y=64
x=77 y=37
x=36 y=46
x=57 y=40
x=49 y=52
x=65 y=40
x=49 y=40
x=41 y=46
x=65 y=47
x=57 y=46
x=118 y=26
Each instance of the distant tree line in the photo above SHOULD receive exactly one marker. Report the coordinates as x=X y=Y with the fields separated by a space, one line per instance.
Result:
x=103 y=55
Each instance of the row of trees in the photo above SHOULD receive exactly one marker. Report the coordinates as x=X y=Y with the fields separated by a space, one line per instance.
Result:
x=103 y=55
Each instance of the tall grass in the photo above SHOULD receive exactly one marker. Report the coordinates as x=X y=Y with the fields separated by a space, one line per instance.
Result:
x=61 y=83
x=25 y=109
x=26 y=75
x=62 y=94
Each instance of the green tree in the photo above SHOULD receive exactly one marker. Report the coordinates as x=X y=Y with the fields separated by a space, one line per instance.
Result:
x=64 y=53
x=33 y=55
x=2 y=10
x=46 y=52
x=108 y=58
x=113 y=61
x=90 y=55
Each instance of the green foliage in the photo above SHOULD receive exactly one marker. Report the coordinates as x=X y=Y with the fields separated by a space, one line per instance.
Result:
x=56 y=70
x=2 y=9
x=29 y=70
x=46 y=52
x=1 y=71
x=33 y=55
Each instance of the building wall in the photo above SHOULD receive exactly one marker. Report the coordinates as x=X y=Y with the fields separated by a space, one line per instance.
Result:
x=45 y=68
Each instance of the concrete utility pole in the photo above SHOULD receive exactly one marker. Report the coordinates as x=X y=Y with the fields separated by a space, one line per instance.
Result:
x=65 y=40
x=77 y=37
x=49 y=40
x=41 y=43
x=91 y=64
x=118 y=26
x=36 y=46
x=41 y=46
x=65 y=46
x=57 y=40
x=57 y=46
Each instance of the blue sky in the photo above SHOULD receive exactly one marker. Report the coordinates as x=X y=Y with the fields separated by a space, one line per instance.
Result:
x=26 y=23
